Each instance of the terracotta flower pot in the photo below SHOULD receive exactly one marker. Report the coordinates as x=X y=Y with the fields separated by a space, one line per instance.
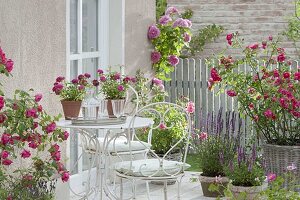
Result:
x=251 y=192
x=71 y=109
x=205 y=183
x=110 y=110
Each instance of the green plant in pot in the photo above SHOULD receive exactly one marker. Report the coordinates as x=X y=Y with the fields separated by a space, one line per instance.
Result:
x=71 y=93
x=268 y=92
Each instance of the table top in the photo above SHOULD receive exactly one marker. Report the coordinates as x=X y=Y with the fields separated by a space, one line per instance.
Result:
x=139 y=122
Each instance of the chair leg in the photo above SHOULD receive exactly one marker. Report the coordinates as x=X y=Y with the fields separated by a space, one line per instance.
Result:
x=121 y=188
x=165 y=189
x=133 y=189
x=148 y=190
x=178 y=189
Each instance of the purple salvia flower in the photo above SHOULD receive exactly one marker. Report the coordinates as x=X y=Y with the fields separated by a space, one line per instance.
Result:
x=165 y=19
x=153 y=32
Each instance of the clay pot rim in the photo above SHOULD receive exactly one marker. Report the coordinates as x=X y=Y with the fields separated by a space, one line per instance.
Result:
x=251 y=189
x=212 y=179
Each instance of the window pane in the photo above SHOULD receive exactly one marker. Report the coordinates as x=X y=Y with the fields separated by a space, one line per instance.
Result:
x=89 y=25
x=73 y=26
x=90 y=66
x=73 y=69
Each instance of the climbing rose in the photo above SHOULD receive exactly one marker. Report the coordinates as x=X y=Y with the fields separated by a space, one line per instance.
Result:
x=190 y=107
x=155 y=56
x=171 y=10
x=38 y=97
x=102 y=78
x=165 y=19
x=156 y=81
x=56 y=155
x=117 y=76
x=186 y=37
x=153 y=32
x=4 y=154
x=57 y=88
x=25 y=154
x=286 y=75
x=214 y=75
x=7 y=162
x=60 y=79
x=281 y=57
x=231 y=93
x=2 y=102
x=66 y=135
x=65 y=176
x=203 y=136
x=229 y=36
x=9 y=65
x=162 y=126
x=51 y=127
x=2 y=118
x=181 y=23
x=253 y=46
x=173 y=60
x=31 y=113
x=269 y=114
x=297 y=76
x=5 y=138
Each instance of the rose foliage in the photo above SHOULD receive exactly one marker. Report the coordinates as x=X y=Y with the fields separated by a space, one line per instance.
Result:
x=268 y=93
x=29 y=153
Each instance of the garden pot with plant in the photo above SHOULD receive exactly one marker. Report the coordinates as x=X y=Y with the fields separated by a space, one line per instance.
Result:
x=213 y=152
x=269 y=94
x=30 y=155
x=246 y=173
x=71 y=94
x=113 y=87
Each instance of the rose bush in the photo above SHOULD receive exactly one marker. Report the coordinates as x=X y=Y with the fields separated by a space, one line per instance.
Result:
x=28 y=134
x=168 y=36
x=269 y=93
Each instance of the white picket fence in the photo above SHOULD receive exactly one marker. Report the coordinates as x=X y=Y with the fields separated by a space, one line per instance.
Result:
x=190 y=79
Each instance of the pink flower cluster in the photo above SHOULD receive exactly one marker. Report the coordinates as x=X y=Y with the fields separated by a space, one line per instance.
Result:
x=7 y=63
x=190 y=107
x=215 y=77
x=158 y=83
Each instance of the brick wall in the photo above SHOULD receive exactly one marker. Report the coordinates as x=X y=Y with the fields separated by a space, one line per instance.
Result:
x=255 y=20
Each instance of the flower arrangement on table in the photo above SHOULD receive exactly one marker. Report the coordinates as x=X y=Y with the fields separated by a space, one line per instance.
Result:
x=71 y=93
x=168 y=36
x=269 y=93
x=29 y=135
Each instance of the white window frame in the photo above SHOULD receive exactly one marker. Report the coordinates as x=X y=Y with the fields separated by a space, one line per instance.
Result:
x=102 y=54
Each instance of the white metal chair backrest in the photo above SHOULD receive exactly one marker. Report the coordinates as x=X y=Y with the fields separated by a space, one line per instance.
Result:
x=160 y=112
x=132 y=101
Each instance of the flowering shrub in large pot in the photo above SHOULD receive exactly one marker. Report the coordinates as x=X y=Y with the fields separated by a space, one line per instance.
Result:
x=71 y=93
x=269 y=94
x=168 y=36
x=29 y=154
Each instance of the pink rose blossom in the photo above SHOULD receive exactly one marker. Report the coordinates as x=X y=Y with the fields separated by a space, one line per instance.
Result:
x=286 y=75
x=4 y=154
x=33 y=145
x=66 y=135
x=9 y=65
x=270 y=37
x=102 y=78
x=100 y=71
x=153 y=32
x=117 y=76
x=2 y=56
x=126 y=79
x=157 y=81
x=186 y=37
x=5 y=138
x=271 y=177
x=203 y=136
x=162 y=126
x=173 y=60
x=231 y=93
x=181 y=23
x=171 y=10
x=253 y=46
x=7 y=162
x=32 y=112
x=155 y=56
x=229 y=36
x=297 y=76
x=60 y=79
x=57 y=88
x=165 y=19
x=2 y=118
x=56 y=155
x=65 y=176
x=51 y=127
x=121 y=88
x=281 y=58
x=2 y=102
x=190 y=108
x=25 y=154
x=269 y=114
x=38 y=97
x=75 y=81
x=87 y=75
x=55 y=147
x=214 y=75
x=81 y=87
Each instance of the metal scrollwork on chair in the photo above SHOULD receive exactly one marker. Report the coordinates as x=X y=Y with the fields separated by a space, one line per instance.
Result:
x=152 y=166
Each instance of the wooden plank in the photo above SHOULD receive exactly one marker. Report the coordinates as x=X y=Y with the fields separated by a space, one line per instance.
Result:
x=185 y=77
x=173 y=87
x=210 y=94
x=198 y=102
x=204 y=89
x=179 y=85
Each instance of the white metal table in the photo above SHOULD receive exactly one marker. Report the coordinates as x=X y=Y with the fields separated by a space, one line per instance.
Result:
x=98 y=151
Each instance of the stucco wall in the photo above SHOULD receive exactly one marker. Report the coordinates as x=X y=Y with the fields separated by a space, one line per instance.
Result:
x=33 y=34
x=255 y=20
x=139 y=15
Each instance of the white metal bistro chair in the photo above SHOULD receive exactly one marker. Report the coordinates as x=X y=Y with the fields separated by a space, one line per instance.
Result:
x=154 y=167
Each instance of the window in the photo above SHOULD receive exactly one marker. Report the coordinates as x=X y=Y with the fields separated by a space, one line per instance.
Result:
x=87 y=49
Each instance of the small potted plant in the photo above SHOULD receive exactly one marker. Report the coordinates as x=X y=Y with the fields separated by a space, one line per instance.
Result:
x=213 y=151
x=113 y=86
x=71 y=93
x=246 y=173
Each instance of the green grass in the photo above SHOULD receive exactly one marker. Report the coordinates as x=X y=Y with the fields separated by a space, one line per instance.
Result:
x=194 y=161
